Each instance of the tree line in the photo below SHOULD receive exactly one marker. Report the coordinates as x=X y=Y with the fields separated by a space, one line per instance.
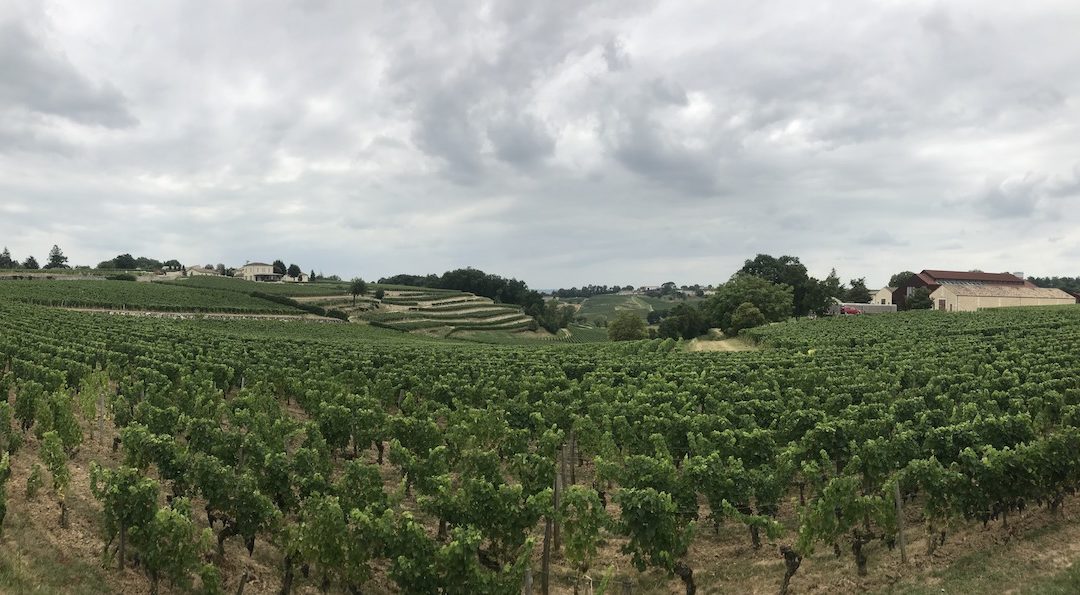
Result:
x=56 y=260
x=500 y=289
x=1063 y=283
x=586 y=291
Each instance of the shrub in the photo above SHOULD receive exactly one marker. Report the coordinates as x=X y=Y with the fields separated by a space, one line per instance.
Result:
x=745 y=316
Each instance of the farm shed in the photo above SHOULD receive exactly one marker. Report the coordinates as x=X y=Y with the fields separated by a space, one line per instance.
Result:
x=933 y=279
x=968 y=298
x=883 y=296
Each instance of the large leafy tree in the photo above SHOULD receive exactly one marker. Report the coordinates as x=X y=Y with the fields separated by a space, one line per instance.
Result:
x=31 y=264
x=683 y=321
x=125 y=262
x=857 y=292
x=786 y=270
x=627 y=326
x=900 y=278
x=775 y=302
x=57 y=260
x=279 y=267
x=294 y=271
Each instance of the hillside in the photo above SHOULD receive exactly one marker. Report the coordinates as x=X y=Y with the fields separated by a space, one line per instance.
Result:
x=127 y=295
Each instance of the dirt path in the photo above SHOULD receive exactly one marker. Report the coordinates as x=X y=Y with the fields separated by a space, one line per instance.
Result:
x=719 y=345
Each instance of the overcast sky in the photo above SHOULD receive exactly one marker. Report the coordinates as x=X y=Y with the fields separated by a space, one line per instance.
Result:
x=561 y=142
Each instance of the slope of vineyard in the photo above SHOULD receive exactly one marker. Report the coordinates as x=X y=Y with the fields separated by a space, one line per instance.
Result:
x=360 y=459
x=121 y=295
x=318 y=288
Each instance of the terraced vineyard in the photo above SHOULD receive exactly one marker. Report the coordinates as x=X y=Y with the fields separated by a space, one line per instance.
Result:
x=352 y=458
x=445 y=312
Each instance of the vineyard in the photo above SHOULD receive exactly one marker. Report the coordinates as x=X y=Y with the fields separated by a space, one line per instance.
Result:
x=320 y=288
x=119 y=295
x=845 y=455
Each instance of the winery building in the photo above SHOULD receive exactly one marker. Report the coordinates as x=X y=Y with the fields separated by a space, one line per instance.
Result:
x=967 y=291
x=258 y=271
x=968 y=298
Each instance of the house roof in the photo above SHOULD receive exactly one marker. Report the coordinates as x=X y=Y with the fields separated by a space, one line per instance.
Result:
x=888 y=289
x=936 y=276
x=1008 y=291
x=257 y=264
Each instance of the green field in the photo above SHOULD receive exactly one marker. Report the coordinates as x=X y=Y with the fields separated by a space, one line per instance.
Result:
x=359 y=458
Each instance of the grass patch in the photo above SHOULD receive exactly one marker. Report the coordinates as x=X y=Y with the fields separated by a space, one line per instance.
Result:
x=30 y=564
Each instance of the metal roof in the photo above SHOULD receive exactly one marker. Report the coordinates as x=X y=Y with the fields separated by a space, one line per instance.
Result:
x=937 y=276
x=1005 y=291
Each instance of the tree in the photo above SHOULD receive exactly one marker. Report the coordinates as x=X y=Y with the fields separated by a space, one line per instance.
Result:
x=380 y=294
x=858 y=293
x=311 y=277
x=31 y=264
x=5 y=259
x=294 y=271
x=786 y=270
x=357 y=287
x=772 y=300
x=746 y=315
x=57 y=260
x=220 y=268
x=627 y=326
x=279 y=268
x=919 y=300
x=683 y=322
x=125 y=262
x=900 y=278
x=172 y=264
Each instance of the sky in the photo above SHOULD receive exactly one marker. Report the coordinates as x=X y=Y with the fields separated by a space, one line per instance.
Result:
x=561 y=142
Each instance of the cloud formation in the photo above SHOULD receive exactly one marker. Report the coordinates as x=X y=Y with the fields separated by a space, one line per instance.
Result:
x=560 y=142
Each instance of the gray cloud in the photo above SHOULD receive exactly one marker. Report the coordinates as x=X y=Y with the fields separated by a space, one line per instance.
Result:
x=44 y=81
x=561 y=142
